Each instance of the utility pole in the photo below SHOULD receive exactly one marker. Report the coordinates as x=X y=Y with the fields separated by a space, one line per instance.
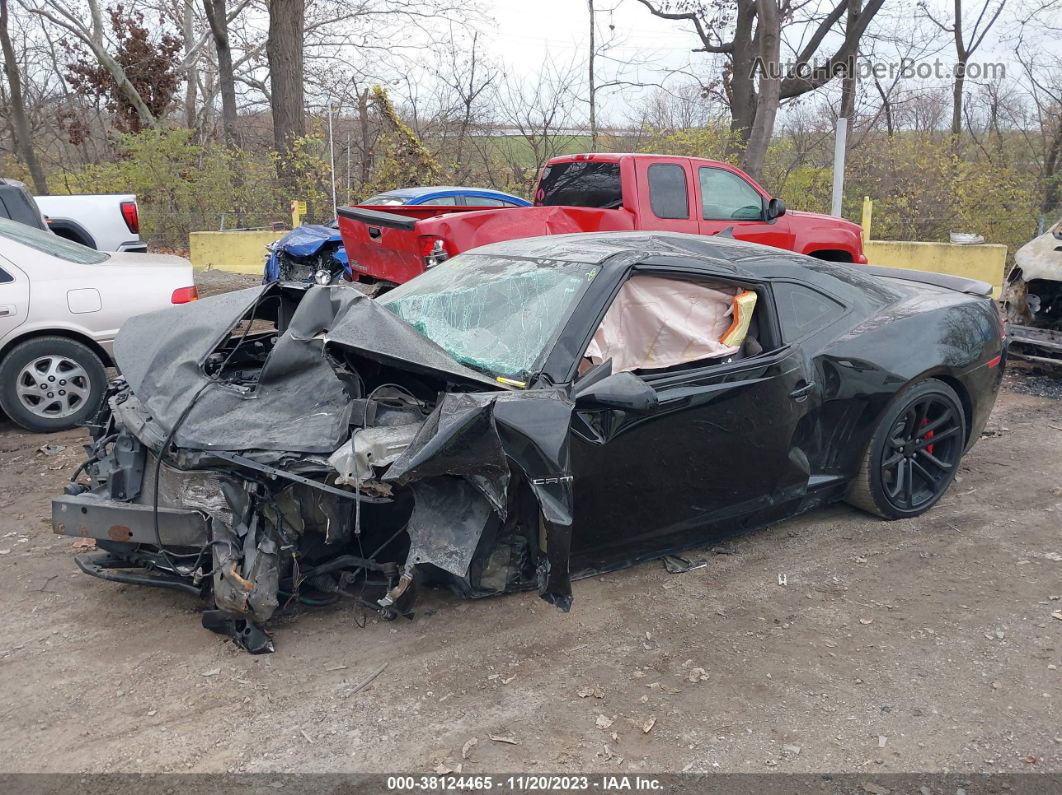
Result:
x=332 y=159
x=593 y=87
x=839 y=146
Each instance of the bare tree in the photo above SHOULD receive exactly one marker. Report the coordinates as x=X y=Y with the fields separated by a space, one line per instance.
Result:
x=91 y=33
x=284 y=50
x=218 y=19
x=966 y=43
x=19 y=120
x=1044 y=131
x=536 y=118
x=745 y=32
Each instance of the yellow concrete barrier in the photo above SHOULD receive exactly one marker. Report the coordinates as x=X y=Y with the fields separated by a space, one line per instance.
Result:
x=984 y=262
x=237 y=251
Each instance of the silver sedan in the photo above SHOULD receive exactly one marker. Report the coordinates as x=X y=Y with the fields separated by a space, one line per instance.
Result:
x=61 y=304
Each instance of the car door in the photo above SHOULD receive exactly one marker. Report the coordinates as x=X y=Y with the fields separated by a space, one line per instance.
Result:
x=665 y=195
x=14 y=298
x=728 y=200
x=716 y=453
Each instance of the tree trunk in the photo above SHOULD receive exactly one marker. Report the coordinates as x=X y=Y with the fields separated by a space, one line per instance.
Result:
x=191 y=73
x=741 y=84
x=850 y=83
x=287 y=20
x=1051 y=197
x=219 y=30
x=770 y=39
x=886 y=106
x=20 y=122
x=956 y=98
x=365 y=164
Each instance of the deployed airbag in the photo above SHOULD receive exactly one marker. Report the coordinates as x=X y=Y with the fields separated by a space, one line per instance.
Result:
x=657 y=322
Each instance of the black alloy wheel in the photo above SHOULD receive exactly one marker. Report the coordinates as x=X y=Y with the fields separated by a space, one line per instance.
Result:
x=914 y=454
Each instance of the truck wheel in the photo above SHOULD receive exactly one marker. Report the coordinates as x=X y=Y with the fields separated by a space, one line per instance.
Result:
x=914 y=454
x=51 y=384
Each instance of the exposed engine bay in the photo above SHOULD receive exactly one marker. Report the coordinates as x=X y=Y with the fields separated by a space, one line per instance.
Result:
x=291 y=444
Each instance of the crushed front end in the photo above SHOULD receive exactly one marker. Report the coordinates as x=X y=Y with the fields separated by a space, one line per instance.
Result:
x=282 y=446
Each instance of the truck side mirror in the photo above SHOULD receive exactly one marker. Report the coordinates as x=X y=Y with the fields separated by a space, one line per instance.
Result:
x=775 y=209
x=624 y=391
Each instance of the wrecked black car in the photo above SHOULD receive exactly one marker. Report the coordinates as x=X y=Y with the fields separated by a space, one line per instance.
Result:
x=518 y=416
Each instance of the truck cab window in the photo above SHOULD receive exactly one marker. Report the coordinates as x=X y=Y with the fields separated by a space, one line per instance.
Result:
x=727 y=197
x=580 y=183
x=668 y=194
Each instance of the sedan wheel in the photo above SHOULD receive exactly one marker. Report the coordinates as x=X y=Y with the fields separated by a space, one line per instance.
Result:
x=914 y=455
x=53 y=387
x=51 y=383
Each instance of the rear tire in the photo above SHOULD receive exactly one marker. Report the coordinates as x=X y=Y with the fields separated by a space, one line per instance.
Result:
x=51 y=384
x=914 y=454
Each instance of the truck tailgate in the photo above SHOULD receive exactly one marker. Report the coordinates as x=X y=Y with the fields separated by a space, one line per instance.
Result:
x=386 y=244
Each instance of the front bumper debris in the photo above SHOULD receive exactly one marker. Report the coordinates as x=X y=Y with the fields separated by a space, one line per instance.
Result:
x=89 y=516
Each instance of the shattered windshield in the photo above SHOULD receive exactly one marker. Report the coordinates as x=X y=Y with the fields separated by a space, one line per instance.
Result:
x=494 y=314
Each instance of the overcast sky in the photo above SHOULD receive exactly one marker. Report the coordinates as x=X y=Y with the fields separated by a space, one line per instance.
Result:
x=527 y=31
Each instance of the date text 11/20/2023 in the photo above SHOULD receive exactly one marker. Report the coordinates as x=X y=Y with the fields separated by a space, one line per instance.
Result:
x=522 y=783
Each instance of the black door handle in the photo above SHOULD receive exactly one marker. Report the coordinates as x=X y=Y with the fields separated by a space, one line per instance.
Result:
x=801 y=392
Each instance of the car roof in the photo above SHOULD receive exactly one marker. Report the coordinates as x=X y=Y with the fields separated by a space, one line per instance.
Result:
x=599 y=247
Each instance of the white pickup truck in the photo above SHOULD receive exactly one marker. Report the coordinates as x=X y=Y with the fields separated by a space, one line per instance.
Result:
x=103 y=221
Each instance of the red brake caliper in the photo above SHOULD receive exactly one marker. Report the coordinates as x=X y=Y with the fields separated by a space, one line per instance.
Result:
x=929 y=447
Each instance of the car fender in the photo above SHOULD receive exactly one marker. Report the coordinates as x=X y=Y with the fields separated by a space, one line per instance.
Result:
x=102 y=345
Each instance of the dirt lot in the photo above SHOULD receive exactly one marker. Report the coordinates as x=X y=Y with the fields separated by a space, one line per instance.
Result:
x=920 y=645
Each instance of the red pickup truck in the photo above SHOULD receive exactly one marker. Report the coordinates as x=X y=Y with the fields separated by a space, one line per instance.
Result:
x=594 y=193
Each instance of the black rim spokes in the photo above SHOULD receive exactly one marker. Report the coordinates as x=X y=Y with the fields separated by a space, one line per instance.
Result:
x=922 y=451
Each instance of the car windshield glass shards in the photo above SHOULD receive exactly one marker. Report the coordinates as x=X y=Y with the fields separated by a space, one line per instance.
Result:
x=498 y=315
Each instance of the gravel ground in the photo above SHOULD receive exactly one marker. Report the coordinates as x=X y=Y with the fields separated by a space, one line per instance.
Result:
x=932 y=644
x=212 y=282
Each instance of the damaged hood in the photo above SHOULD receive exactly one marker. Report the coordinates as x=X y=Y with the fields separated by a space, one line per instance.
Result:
x=1041 y=257
x=299 y=404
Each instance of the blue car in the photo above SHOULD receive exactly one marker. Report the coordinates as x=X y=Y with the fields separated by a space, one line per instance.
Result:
x=314 y=252
x=460 y=197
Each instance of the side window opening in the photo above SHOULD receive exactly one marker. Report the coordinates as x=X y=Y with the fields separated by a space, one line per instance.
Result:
x=668 y=194
x=657 y=324
x=442 y=200
x=727 y=197
x=5 y=277
x=802 y=310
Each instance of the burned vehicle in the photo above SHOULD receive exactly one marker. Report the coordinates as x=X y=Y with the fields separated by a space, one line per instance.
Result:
x=1033 y=300
x=519 y=416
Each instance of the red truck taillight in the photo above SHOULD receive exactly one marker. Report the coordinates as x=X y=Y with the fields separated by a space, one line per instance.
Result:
x=131 y=217
x=433 y=250
x=184 y=295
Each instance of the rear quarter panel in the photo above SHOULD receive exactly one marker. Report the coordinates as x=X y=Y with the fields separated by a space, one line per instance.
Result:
x=928 y=333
